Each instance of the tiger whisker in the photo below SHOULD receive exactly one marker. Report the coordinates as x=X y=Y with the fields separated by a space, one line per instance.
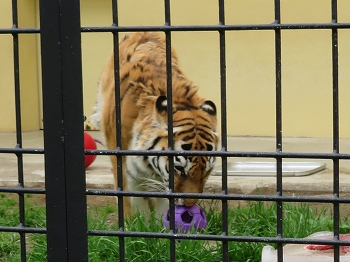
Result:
x=153 y=185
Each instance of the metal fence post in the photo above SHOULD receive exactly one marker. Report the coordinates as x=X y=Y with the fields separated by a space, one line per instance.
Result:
x=63 y=130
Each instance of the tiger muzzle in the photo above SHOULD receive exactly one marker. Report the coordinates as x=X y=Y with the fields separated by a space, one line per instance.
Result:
x=189 y=201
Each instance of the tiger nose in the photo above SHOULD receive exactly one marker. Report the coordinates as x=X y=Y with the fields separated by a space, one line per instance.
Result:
x=190 y=202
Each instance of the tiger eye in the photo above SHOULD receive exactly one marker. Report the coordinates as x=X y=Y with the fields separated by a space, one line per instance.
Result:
x=186 y=146
x=209 y=147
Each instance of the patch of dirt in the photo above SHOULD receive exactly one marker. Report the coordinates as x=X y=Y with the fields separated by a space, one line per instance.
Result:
x=101 y=201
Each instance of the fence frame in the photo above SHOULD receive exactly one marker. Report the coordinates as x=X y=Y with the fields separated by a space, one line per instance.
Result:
x=67 y=233
x=63 y=125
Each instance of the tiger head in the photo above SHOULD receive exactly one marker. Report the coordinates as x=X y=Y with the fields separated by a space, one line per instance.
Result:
x=194 y=128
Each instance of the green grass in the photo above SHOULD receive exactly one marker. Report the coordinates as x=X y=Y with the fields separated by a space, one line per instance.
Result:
x=248 y=219
x=9 y=216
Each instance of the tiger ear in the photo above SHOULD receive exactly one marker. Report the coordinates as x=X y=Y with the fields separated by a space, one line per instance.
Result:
x=161 y=104
x=209 y=107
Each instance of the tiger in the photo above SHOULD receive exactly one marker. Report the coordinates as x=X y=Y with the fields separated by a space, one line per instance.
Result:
x=144 y=123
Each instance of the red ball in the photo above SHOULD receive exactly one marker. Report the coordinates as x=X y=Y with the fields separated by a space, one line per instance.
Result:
x=89 y=144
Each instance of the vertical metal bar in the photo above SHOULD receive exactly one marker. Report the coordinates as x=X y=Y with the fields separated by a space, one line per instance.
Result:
x=225 y=253
x=169 y=85
x=63 y=130
x=335 y=127
x=279 y=179
x=56 y=212
x=18 y=127
x=72 y=86
x=118 y=129
x=16 y=74
x=170 y=124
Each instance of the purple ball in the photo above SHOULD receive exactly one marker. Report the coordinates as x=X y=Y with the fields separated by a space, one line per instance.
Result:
x=186 y=218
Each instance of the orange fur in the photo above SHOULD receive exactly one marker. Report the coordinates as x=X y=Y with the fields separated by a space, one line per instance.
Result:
x=142 y=58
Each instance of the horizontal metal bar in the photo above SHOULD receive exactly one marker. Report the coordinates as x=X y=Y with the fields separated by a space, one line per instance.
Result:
x=271 y=198
x=218 y=237
x=19 y=30
x=220 y=153
x=219 y=27
x=18 y=150
x=22 y=190
x=191 y=153
x=21 y=229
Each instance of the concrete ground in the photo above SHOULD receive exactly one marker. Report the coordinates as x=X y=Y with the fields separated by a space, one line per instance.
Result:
x=99 y=175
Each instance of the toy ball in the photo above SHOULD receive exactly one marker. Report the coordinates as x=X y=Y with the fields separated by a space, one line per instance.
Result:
x=186 y=218
x=89 y=144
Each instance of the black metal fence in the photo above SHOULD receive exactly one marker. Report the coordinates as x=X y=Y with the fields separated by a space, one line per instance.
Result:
x=67 y=232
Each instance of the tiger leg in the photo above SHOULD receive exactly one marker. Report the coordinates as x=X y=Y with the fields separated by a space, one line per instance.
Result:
x=161 y=205
x=126 y=200
x=140 y=204
x=158 y=206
